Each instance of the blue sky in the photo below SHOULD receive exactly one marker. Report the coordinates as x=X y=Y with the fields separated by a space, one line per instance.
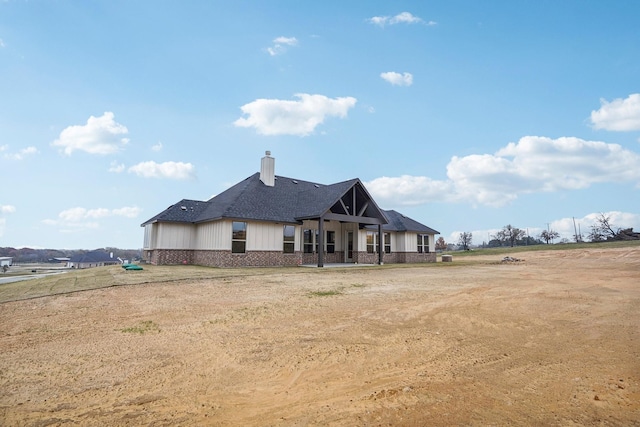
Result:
x=464 y=115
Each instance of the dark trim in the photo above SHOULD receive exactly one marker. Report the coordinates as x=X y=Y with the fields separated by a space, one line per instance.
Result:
x=320 y=241
x=380 y=245
x=354 y=218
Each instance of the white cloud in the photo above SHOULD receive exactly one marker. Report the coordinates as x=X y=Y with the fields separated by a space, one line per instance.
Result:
x=408 y=190
x=301 y=117
x=157 y=147
x=116 y=167
x=81 y=218
x=398 y=79
x=401 y=18
x=280 y=45
x=1 y=43
x=4 y=147
x=78 y=214
x=20 y=155
x=618 y=115
x=101 y=135
x=534 y=164
x=169 y=170
x=127 y=211
x=7 y=209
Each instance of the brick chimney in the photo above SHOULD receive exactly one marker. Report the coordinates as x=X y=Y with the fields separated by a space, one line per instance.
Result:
x=267 y=169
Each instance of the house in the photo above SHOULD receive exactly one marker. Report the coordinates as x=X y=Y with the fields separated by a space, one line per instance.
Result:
x=6 y=261
x=269 y=220
x=91 y=259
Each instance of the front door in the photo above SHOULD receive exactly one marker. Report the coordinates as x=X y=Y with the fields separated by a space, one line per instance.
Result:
x=349 y=252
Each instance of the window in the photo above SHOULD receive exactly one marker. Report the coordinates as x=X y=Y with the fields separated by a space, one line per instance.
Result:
x=307 y=241
x=239 y=238
x=373 y=246
x=371 y=242
x=289 y=233
x=423 y=243
x=387 y=243
x=331 y=241
x=310 y=240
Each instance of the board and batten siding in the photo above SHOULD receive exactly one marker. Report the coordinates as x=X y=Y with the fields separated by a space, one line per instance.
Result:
x=261 y=236
x=149 y=236
x=410 y=242
x=214 y=235
x=264 y=236
x=174 y=236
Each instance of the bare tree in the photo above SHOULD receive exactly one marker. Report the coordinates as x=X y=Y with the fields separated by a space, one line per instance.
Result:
x=441 y=245
x=547 y=235
x=603 y=229
x=510 y=234
x=464 y=240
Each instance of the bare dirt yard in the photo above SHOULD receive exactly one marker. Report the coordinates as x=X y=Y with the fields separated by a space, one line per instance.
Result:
x=553 y=340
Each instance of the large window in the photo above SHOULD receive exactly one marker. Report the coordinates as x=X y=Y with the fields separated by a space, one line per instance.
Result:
x=310 y=240
x=387 y=243
x=373 y=245
x=371 y=242
x=239 y=238
x=289 y=237
x=307 y=241
x=331 y=241
x=423 y=243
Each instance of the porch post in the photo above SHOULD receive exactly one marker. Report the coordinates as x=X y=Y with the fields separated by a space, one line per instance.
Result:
x=380 y=244
x=321 y=241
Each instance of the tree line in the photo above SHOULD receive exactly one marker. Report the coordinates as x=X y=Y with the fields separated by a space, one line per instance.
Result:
x=28 y=255
x=602 y=230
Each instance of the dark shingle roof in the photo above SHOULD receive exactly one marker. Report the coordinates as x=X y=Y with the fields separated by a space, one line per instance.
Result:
x=288 y=201
x=399 y=222
x=184 y=211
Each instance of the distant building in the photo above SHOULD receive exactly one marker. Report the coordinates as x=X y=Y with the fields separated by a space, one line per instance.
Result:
x=6 y=260
x=92 y=259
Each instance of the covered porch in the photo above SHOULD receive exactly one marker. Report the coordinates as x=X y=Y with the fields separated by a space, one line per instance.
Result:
x=353 y=210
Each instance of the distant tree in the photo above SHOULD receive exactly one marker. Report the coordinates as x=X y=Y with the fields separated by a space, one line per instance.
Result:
x=596 y=235
x=464 y=240
x=603 y=229
x=528 y=241
x=547 y=235
x=510 y=234
x=441 y=245
x=494 y=243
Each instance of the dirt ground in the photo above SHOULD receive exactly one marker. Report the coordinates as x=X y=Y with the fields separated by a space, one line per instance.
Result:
x=552 y=340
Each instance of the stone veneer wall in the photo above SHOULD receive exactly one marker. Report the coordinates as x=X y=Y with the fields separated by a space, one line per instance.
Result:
x=334 y=258
x=249 y=259
x=274 y=258
x=394 y=257
x=170 y=256
x=414 y=257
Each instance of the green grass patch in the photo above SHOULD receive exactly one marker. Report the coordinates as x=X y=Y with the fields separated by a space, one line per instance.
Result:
x=142 y=328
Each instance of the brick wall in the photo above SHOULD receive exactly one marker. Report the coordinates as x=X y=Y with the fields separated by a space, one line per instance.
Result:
x=273 y=258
